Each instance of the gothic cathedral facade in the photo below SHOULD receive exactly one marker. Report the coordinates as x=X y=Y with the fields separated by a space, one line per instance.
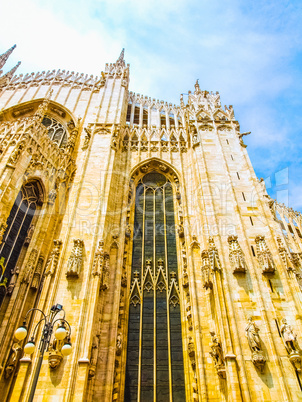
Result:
x=180 y=277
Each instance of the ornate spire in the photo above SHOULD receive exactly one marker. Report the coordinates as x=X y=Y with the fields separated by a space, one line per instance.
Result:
x=120 y=61
x=5 y=79
x=5 y=56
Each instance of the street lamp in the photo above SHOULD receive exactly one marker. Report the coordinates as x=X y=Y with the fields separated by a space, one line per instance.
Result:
x=61 y=334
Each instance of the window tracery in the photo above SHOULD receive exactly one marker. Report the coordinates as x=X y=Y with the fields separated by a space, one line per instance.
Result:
x=154 y=370
x=56 y=131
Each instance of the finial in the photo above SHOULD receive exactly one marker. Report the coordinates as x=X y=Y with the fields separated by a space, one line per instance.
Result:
x=5 y=56
x=197 y=88
x=120 y=61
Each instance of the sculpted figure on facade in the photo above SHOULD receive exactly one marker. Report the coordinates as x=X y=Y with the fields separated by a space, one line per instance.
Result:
x=94 y=356
x=217 y=354
x=291 y=345
x=29 y=235
x=206 y=270
x=87 y=138
x=289 y=337
x=75 y=260
x=13 y=359
x=119 y=344
x=254 y=341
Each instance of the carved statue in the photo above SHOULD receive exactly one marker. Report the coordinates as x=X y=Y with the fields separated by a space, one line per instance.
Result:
x=29 y=235
x=94 y=356
x=119 y=344
x=13 y=359
x=52 y=196
x=15 y=272
x=217 y=354
x=252 y=334
x=206 y=270
x=289 y=338
x=87 y=137
x=191 y=352
x=75 y=260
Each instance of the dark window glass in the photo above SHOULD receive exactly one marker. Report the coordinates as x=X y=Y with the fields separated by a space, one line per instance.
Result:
x=154 y=329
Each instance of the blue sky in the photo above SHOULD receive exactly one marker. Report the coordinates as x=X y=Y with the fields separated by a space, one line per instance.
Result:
x=250 y=51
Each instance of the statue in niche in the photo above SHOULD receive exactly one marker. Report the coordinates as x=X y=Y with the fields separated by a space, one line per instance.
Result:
x=252 y=334
x=217 y=354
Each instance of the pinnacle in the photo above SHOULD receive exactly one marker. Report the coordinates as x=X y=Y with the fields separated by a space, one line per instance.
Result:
x=5 y=56
x=120 y=60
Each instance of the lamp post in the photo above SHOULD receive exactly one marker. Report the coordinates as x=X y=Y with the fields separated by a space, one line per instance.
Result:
x=61 y=334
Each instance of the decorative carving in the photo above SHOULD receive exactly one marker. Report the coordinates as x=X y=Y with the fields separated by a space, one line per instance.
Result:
x=217 y=354
x=128 y=231
x=37 y=275
x=87 y=138
x=52 y=262
x=29 y=235
x=75 y=260
x=290 y=342
x=191 y=352
x=94 y=356
x=13 y=359
x=98 y=261
x=52 y=196
x=264 y=256
x=29 y=268
x=16 y=153
x=119 y=344
x=252 y=334
x=3 y=227
x=180 y=230
x=236 y=255
x=55 y=355
x=13 y=280
x=206 y=273
x=240 y=135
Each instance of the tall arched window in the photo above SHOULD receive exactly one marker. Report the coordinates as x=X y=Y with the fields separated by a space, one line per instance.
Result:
x=18 y=224
x=154 y=370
